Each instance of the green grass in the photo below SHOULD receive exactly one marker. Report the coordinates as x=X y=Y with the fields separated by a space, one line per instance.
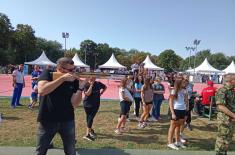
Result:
x=19 y=127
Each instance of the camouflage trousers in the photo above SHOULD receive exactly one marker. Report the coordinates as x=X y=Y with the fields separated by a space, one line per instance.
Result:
x=225 y=132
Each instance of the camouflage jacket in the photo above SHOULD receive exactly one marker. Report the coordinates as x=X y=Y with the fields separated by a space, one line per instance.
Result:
x=226 y=96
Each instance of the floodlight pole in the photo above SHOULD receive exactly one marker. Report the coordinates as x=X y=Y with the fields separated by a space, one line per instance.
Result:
x=65 y=35
x=188 y=49
x=196 y=43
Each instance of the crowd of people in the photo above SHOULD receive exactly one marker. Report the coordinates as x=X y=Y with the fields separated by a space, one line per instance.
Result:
x=148 y=94
x=59 y=98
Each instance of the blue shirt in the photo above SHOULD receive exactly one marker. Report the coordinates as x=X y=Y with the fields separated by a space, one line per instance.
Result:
x=35 y=74
x=189 y=88
x=138 y=86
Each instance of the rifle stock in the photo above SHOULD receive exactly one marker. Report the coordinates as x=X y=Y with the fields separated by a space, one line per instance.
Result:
x=56 y=75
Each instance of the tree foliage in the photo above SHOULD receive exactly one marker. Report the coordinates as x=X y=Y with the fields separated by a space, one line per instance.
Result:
x=169 y=60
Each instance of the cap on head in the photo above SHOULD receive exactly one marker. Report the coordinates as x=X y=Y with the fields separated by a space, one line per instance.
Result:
x=210 y=83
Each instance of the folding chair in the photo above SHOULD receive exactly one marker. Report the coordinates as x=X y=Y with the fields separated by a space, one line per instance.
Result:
x=210 y=108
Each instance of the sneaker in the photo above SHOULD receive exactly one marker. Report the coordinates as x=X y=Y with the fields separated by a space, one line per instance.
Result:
x=127 y=120
x=19 y=104
x=172 y=146
x=182 y=140
x=124 y=129
x=180 y=144
x=188 y=126
x=144 y=124
x=140 y=125
x=30 y=107
x=152 y=119
x=88 y=137
x=93 y=134
x=159 y=118
x=118 y=132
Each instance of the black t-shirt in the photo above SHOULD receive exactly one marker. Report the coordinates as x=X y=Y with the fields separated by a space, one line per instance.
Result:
x=94 y=98
x=57 y=106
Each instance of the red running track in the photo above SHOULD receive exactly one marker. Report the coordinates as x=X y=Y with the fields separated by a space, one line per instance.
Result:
x=6 y=88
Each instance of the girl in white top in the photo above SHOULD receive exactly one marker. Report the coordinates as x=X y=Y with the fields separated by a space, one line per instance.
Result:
x=178 y=103
x=125 y=102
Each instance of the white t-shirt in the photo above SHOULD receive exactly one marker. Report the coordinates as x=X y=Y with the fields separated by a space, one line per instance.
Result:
x=130 y=85
x=134 y=67
x=179 y=103
x=19 y=76
x=126 y=93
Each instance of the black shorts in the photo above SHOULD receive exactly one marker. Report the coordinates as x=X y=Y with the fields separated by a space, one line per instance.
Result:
x=125 y=107
x=180 y=114
x=147 y=103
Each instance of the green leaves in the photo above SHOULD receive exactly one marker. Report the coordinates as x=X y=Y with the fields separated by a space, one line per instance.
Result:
x=169 y=61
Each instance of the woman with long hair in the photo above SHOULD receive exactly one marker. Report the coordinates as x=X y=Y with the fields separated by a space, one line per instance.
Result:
x=137 y=95
x=178 y=103
x=147 y=100
x=158 y=97
x=125 y=102
x=91 y=103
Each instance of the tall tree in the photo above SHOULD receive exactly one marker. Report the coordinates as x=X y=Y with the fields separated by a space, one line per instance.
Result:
x=219 y=61
x=88 y=47
x=169 y=60
x=53 y=49
x=138 y=57
x=24 y=42
x=6 y=30
x=71 y=52
x=103 y=53
x=200 y=57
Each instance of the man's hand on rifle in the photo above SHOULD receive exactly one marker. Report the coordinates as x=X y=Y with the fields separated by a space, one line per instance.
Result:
x=68 y=77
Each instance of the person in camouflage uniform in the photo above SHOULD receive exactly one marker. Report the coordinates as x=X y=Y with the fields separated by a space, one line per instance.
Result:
x=225 y=101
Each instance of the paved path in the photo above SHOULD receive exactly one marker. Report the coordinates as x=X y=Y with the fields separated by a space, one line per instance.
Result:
x=30 y=150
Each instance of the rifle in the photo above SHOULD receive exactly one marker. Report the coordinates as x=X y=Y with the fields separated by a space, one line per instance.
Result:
x=101 y=75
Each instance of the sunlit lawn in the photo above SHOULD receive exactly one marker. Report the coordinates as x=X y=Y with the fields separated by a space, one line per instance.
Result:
x=18 y=128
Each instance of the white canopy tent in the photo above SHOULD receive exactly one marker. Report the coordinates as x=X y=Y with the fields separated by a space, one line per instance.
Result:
x=112 y=63
x=42 y=60
x=204 y=68
x=230 y=68
x=78 y=63
x=149 y=65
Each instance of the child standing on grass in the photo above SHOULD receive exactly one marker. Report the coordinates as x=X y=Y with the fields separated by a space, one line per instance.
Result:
x=125 y=102
x=147 y=100
x=34 y=96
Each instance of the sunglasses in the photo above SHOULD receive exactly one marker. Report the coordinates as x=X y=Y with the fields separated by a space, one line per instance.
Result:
x=70 y=69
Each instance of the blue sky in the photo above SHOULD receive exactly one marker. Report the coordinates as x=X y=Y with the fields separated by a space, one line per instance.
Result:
x=148 y=25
